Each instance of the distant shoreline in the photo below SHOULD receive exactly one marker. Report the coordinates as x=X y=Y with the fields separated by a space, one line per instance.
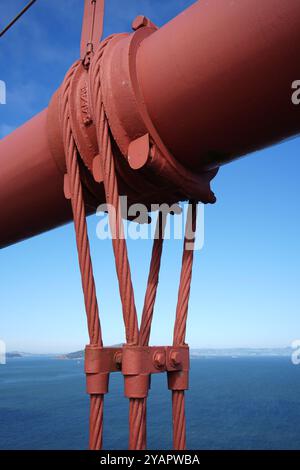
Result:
x=194 y=353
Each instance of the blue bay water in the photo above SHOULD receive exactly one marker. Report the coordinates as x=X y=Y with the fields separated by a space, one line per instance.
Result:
x=233 y=403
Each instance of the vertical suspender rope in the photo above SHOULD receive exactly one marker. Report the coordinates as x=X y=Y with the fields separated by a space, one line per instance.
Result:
x=152 y=283
x=114 y=206
x=136 y=405
x=150 y=298
x=178 y=396
x=84 y=257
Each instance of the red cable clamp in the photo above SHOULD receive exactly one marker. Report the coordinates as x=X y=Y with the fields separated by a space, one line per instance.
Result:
x=98 y=364
x=139 y=362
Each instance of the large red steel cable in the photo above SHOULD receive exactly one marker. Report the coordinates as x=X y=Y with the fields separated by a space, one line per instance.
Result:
x=191 y=53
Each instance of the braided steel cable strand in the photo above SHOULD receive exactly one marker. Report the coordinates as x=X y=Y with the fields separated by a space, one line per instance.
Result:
x=84 y=256
x=148 y=309
x=185 y=277
x=96 y=421
x=113 y=201
x=179 y=421
x=178 y=396
x=137 y=423
x=152 y=283
x=137 y=406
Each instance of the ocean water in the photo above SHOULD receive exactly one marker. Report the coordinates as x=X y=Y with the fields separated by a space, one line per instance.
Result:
x=233 y=403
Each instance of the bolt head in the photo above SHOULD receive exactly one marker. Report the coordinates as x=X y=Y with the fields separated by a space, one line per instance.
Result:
x=139 y=22
x=159 y=360
x=118 y=359
x=175 y=358
x=142 y=21
x=87 y=121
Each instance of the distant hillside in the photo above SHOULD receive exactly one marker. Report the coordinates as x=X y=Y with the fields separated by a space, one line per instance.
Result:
x=80 y=354
x=16 y=354
x=72 y=355
x=13 y=354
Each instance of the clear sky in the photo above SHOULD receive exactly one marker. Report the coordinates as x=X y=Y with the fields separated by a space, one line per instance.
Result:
x=245 y=289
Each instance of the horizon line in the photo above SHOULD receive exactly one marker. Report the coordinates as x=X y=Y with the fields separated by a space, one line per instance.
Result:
x=191 y=349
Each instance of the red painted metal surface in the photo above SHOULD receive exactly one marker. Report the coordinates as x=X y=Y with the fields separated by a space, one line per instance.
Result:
x=92 y=27
x=31 y=184
x=216 y=80
x=208 y=87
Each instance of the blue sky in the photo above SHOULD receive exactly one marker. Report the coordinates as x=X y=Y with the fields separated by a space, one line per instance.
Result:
x=245 y=289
